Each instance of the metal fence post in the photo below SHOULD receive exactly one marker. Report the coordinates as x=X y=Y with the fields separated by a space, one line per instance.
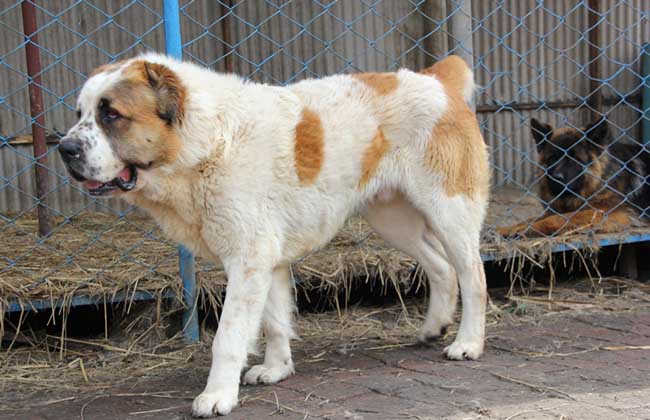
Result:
x=645 y=94
x=39 y=141
x=629 y=261
x=595 y=98
x=461 y=31
x=174 y=48
x=224 y=9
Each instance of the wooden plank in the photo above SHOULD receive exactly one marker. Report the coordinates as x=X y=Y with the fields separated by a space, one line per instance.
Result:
x=28 y=139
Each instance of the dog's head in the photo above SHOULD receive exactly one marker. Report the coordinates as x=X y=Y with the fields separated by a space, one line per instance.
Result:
x=570 y=156
x=129 y=114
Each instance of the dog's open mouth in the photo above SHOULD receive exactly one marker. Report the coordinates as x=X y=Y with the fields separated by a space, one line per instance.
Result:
x=126 y=180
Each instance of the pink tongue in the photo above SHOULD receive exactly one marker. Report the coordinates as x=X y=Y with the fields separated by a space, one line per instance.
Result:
x=91 y=185
x=125 y=174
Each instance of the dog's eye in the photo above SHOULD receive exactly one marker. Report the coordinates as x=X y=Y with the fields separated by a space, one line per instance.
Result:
x=111 y=115
x=78 y=114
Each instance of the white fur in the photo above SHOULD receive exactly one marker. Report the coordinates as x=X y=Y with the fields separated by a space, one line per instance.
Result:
x=469 y=88
x=233 y=195
x=101 y=163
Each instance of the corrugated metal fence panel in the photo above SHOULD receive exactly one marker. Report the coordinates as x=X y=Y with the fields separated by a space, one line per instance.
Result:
x=14 y=109
x=270 y=44
x=538 y=52
x=114 y=29
x=529 y=51
x=526 y=51
x=625 y=28
x=525 y=54
x=294 y=40
x=511 y=54
x=623 y=31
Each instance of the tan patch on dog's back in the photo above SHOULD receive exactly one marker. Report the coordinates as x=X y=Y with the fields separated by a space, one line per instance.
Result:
x=452 y=71
x=381 y=83
x=308 y=147
x=371 y=157
x=456 y=149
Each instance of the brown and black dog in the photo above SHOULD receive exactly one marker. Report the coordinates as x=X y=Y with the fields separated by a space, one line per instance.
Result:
x=589 y=182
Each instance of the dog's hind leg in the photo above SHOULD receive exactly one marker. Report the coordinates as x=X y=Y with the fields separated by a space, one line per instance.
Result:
x=456 y=223
x=444 y=291
x=404 y=227
x=471 y=334
x=278 y=330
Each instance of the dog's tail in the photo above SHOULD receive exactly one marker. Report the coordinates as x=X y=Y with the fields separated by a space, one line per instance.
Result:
x=454 y=72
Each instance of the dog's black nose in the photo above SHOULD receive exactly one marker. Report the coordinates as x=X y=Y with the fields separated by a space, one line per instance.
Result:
x=70 y=150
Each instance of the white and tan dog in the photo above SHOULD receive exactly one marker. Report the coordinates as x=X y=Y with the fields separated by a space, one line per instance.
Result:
x=255 y=176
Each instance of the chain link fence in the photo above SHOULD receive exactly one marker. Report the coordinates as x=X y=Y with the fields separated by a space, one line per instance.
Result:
x=564 y=63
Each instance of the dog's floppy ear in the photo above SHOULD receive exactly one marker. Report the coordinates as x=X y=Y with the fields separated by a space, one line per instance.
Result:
x=598 y=131
x=170 y=93
x=541 y=132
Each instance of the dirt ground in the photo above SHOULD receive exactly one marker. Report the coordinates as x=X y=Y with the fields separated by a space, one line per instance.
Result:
x=584 y=354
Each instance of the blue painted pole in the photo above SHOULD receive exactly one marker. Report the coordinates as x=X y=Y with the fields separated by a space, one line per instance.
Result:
x=187 y=270
x=645 y=94
x=171 y=15
x=174 y=48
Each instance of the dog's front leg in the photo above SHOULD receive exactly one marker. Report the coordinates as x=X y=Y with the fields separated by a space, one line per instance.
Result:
x=239 y=325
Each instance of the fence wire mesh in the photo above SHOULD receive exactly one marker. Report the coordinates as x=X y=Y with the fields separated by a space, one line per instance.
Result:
x=564 y=63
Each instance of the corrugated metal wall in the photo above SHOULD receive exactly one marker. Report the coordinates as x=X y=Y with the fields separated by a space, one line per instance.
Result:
x=299 y=39
x=526 y=53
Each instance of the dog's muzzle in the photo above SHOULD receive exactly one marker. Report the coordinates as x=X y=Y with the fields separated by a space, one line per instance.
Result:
x=72 y=153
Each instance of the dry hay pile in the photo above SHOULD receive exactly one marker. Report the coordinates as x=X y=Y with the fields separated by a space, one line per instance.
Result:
x=98 y=254
x=36 y=362
x=104 y=256
x=91 y=254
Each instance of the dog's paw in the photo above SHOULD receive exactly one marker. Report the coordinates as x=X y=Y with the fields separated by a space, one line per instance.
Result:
x=431 y=335
x=209 y=404
x=468 y=350
x=262 y=374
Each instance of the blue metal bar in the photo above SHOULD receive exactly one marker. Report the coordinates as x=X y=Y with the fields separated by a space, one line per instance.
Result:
x=603 y=242
x=41 y=304
x=174 y=48
x=645 y=94
x=187 y=270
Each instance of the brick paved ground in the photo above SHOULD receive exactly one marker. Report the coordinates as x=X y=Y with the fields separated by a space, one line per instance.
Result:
x=572 y=364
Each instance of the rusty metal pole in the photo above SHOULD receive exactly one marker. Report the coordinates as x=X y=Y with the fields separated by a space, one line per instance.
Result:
x=224 y=9
x=595 y=95
x=39 y=143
